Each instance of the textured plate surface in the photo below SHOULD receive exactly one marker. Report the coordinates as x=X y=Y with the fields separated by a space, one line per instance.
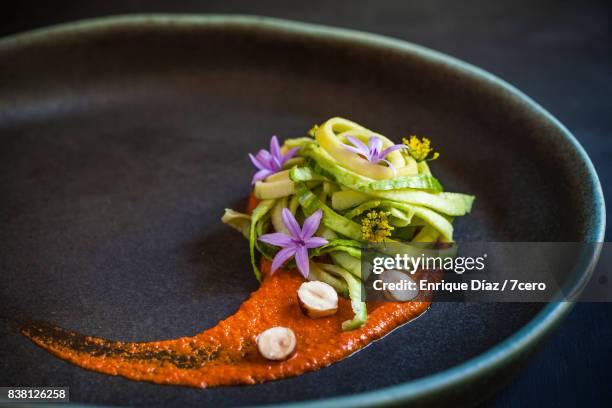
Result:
x=122 y=142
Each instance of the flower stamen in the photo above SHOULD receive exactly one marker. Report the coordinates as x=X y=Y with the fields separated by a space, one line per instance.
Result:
x=420 y=149
x=375 y=226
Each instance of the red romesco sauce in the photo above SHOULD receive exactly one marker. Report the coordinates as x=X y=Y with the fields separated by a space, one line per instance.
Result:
x=226 y=354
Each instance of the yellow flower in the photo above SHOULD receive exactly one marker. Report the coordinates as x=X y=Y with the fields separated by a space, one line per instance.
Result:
x=375 y=226
x=420 y=149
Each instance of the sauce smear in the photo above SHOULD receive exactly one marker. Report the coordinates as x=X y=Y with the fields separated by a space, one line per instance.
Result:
x=227 y=353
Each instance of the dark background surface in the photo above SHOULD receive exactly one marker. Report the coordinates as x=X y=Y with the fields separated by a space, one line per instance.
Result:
x=559 y=53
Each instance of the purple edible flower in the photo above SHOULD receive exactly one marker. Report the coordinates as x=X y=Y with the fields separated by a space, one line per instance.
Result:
x=373 y=151
x=270 y=162
x=297 y=244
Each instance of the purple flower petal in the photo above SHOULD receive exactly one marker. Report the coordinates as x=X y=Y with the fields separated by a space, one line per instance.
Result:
x=281 y=257
x=275 y=147
x=354 y=149
x=260 y=175
x=290 y=153
x=265 y=158
x=375 y=144
x=291 y=224
x=315 y=242
x=392 y=149
x=256 y=162
x=277 y=163
x=277 y=239
x=301 y=260
x=358 y=144
x=311 y=224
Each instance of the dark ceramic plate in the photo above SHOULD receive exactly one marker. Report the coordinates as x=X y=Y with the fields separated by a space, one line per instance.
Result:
x=123 y=139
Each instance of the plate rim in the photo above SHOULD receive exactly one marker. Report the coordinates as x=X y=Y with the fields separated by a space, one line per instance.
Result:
x=499 y=355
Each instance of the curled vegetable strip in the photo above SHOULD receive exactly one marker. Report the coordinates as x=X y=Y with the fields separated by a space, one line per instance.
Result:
x=237 y=220
x=355 y=289
x=331 y=136
x=324 y=167
x=258 y=213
